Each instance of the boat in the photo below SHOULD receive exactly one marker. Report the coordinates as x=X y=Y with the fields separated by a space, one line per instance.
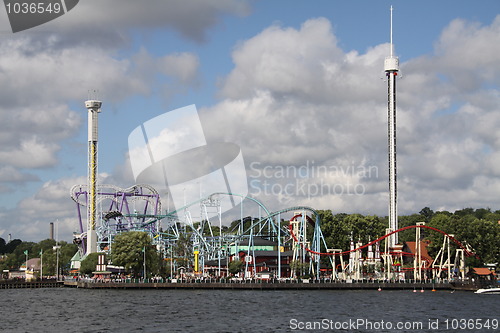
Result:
x=491 y=290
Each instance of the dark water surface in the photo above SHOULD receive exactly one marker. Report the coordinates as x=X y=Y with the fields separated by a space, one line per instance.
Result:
x=79 y=310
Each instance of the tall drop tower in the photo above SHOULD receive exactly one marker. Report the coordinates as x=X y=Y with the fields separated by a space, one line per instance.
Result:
x=391 y=67
x=93 y=107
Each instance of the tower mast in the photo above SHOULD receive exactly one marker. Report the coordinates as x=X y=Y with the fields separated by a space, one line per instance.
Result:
x=93 y=107
x=391 y=67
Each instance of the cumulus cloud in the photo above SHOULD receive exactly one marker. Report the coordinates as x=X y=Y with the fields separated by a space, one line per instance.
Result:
x=295 y=97
x=107 y=24
x=9 y=174
x=295 y=100
x=468 y=53
x=31 y=217
x=183 y=66
x=36 y=117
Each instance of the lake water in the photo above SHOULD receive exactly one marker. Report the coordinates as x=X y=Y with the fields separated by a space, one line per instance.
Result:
x=80 y=310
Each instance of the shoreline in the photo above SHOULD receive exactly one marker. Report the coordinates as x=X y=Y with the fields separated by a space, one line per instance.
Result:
x=235 y=285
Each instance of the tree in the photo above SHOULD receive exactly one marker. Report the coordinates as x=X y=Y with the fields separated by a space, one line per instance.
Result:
x=128 y=251
x=235 y=266
x=299 y=268
x=426 y=213
x=89 y=264
x=2 y=245
x=12 y=245
x=183 y=249
x=66 y=252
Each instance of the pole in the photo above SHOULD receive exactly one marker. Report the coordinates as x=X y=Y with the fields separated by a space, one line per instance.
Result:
x=220 y=238
x=26 y=253
x=57 y=250
x=171 y=261
x=279 y=245
x=196 y=263
x=41 y=264
x=144 y=262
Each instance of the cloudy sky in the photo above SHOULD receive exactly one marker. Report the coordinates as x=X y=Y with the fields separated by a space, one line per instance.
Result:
x=298 y=86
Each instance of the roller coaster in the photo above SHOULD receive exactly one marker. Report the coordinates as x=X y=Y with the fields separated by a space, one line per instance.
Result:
x=294 y=233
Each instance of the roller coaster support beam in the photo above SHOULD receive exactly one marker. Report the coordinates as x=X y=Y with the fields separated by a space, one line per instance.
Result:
x=417 y=261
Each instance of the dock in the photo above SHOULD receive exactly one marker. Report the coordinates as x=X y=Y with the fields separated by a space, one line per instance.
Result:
x=261 y=285
x=9 y=284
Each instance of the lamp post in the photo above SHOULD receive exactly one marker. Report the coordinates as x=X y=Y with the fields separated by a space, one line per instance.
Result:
x=41 y=264
x=56 y=248
x=171 y=261
x=26 y=271
x=144 y=269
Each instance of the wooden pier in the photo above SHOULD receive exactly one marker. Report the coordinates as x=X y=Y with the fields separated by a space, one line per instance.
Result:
x=9 y=284
x=263 y=285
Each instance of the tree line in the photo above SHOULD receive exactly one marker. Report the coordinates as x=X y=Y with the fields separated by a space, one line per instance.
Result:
x=478 y=228
x=13 y=255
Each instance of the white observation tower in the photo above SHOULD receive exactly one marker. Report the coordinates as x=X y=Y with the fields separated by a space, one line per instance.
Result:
x=93 y=107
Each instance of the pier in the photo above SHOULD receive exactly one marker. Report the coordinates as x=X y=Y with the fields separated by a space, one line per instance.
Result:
x=261 y=285
x=31 y=284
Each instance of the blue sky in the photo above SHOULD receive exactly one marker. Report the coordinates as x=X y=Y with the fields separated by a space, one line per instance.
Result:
x=293 y=83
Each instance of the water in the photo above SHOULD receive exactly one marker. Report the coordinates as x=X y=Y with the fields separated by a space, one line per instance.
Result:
x=79 y=310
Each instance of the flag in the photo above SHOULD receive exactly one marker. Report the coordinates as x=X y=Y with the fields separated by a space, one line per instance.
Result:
x=41 y=251
x=26 y=252
x=143 y=249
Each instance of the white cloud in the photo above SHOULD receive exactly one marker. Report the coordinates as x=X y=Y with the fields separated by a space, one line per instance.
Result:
x=182 y=65
x=107 y=23
x=294 y=96
x=47 y=68
x=32 y=153
x=30 y=219
x=468 y=53
x=9 y=174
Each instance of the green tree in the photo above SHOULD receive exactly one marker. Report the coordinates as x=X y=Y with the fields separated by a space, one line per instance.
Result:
x=66 y=252
x=50 y=262
x=128 y=251
x=236 y=266
x=89 y=264
x=426 y=214
x=301 y=269
x=2 y=245
x=12 y=245
x=183 y=250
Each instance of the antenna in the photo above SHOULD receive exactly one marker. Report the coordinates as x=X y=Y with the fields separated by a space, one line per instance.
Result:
x=391 y=62
x=392 y=49
x=93 y=94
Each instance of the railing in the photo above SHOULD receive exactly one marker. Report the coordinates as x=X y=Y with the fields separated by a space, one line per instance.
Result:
x=212 y=280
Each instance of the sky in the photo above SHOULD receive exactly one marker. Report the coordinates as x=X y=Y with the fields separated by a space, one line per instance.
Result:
x=294 y=89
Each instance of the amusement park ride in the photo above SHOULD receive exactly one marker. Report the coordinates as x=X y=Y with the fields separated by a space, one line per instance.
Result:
x=110 y=210
x=138 y=209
